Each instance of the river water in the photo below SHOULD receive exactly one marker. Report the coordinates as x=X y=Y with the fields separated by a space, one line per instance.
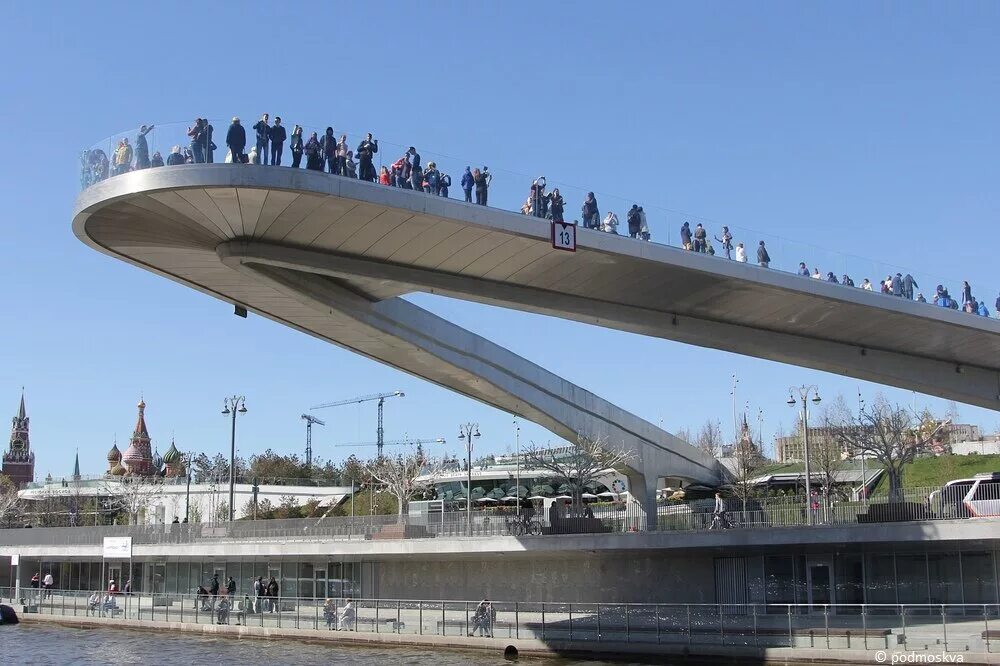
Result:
x=37 y=645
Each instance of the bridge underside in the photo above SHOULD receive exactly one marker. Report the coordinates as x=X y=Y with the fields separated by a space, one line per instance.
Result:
x=331 y=256
x=366 y=314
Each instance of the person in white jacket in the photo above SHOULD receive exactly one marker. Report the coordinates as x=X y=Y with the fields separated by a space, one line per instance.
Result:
x=741 y=253
x=610 y=224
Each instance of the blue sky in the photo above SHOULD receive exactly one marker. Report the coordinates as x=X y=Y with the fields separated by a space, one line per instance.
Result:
x=855 y=127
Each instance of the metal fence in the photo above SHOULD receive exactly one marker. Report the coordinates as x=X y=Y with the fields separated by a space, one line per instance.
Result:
x=930 y=628
x=625 y=517
x=915 y=504
x=928 y=503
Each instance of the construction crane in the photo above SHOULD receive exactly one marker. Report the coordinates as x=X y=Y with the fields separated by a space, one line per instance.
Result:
x=380 y=438
x=310 y=420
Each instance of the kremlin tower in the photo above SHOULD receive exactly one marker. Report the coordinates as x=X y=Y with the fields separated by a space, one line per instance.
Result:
x=138 y=457
x=19 y=460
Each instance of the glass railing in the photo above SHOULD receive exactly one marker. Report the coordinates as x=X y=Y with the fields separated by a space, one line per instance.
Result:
x=511 y=190
x=918 y=632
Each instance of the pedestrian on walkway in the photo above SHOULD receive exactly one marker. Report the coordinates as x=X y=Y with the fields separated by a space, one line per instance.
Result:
x=277 y=137
x=296 y=146
x=726 y=240
x=591 y=213
x=763 y=258
x=142 y=148
x=366 y=155
x=236 y=140
x=686 y=236
x=263 y=132
x=467 y=184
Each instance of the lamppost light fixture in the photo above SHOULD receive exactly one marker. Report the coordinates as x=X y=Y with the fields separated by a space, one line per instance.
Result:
x=243 y=408
x=476 y=434
x=225 y=409
x=791 y=401
x=817 y=399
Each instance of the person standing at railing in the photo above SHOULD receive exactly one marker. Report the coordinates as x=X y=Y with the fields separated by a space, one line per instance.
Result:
x=443 y=184
x=330 y=613
x=213 y=589
x=366 y=155
x=700 y=236
x=348 y=616
x=482 y=180
x=896 y=284
x=231 y=587
x=142 y=148
x=272 y=594
x=866 y=284
x=296 y=146
x=263 y=132
x=342 y=150
x=328 y=146
x=47 y=583
x=277 y=136
x=644 y=228
x=468 y=183
x=727 y=242
x=197 y=134
x=590 y=212
x=236 y=140
x=908 y=284
x=314 y=153
x=686 y=236
x=259 y=590
x=763 y=258
x=209 y=144
x=557 y=205
x=632 y=219
x=123 y=157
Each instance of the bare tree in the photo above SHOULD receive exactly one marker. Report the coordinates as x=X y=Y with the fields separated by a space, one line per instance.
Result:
x=889 y=434
x=399 y=475
x=578 y=465
x=132 y=495
x=710 y=438
x=10 y=503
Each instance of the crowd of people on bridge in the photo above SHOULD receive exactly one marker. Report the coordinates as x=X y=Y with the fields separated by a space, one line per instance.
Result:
x=332 y=154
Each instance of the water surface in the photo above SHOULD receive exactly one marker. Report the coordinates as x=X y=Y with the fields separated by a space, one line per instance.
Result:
x=36 y=645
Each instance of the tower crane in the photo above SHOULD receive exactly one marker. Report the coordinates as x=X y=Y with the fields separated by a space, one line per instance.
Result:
x=380 y=441
x=310 y=420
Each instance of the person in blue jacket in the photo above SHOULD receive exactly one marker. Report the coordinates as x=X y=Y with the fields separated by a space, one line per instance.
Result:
x=468 y=183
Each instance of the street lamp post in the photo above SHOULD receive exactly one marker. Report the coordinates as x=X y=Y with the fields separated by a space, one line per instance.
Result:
x=187 y=494
x=517 y=452
x=465 y=434
x=232 y=405
x=804 y=392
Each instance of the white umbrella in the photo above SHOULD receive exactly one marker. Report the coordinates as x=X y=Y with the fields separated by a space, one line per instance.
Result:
x=588 y=496
x=486 y=500
x=509 y=498
x=564 y=497
x=607 y=493
x=537 y=497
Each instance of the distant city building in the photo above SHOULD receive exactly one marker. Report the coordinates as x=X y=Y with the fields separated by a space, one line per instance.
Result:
x=792 y=449
x=19 y=460
x=982 y=447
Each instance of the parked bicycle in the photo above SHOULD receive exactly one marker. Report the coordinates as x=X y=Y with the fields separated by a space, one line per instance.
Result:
x=521 y=526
